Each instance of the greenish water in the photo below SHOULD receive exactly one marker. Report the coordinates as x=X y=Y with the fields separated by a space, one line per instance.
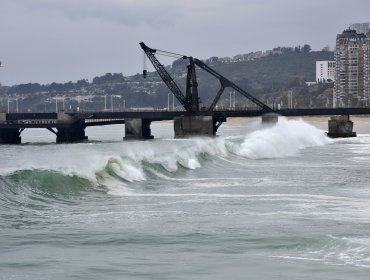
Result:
x=281 y=202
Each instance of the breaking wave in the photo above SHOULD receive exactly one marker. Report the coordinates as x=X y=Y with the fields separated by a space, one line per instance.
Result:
x=143 y=162
x=286 y=138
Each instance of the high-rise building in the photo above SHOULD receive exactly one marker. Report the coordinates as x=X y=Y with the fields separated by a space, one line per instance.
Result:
x=325 y=71
x=360 y=27
x=367 y=66
x=350 y=72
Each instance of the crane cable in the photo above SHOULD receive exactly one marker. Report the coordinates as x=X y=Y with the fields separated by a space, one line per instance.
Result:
x=145 y=71
x=161 y=53
x=170 y=54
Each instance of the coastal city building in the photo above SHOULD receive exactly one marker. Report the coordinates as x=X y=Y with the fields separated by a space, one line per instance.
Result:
x=351 y=59
x=325 y=71
x=367 y=66
x=360 y=27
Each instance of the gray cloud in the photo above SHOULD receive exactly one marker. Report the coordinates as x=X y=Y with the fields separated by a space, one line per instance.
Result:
x=55 y=40
x=127 y=12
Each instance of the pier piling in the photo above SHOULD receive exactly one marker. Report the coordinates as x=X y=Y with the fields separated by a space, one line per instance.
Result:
x=10 y=136
x=137 y=129
x=340 y=126
x=190 y=126
x=270 y=118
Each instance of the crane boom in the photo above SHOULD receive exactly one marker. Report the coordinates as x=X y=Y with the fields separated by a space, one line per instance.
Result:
x=167 y=79
x=227 y=83
x=191 y=101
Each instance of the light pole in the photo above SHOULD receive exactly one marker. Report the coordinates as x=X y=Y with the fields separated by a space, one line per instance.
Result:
x=231 y=103
x=16 y=102
x=230 y=100
x=124 y=105
x=79 y=102
x=111 y=102
x=56 y=104
x=168 y=101
x=290 y=99
x=105 y=103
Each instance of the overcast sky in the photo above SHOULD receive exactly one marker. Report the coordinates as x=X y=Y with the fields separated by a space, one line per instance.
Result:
x=61 y=40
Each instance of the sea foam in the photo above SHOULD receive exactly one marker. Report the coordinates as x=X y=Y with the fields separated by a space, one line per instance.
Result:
x=286 y=138
x=167 y=157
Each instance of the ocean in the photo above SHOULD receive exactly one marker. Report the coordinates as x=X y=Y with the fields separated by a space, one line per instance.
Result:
x=256 y=202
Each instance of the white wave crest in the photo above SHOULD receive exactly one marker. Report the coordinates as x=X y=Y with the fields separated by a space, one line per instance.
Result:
x=116 y=166
x=286 y=138
x=186 y=154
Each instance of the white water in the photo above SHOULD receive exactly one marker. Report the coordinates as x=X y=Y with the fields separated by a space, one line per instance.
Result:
x=280 y=202
x=286 y=138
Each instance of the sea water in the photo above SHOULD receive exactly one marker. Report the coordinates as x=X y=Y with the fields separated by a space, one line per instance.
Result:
x=256 y=202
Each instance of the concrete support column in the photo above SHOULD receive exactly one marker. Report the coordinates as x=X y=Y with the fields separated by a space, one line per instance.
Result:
x=270 y=118
x=190 y=126
x=74 y=133
x=340 y=126
x=10 y=136
x=137 y=129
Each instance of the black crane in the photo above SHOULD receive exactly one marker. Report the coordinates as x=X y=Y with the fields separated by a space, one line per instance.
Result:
x=190 y=101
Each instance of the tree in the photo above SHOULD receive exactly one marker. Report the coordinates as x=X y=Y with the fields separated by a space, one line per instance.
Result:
x=326 y=48
x=68 y=86
x=213 y=59
x=306 y=48
x=25 y=88
x=109 y=78
x=82 y=83
x=56 y=87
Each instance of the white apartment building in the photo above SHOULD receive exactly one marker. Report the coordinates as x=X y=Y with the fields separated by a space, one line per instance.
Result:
x=325 y=71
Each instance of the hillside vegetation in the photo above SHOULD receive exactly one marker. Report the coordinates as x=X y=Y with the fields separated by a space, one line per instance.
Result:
x=268 y=78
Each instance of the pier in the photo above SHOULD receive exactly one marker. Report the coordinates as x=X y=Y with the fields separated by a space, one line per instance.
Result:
x=192 y=120
x=70 y=127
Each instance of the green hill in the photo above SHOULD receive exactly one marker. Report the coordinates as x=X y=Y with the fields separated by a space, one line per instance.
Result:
x=268 y=78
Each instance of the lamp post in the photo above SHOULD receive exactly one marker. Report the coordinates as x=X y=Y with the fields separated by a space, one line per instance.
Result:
x=290 y=99
x=8 y=96
x=231 y=102
x=168 y=101
x=16 y=103
x=111 y=102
